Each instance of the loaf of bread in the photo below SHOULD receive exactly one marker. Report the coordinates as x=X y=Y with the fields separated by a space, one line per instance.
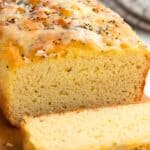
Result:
x=114 y=128
x=60 y=55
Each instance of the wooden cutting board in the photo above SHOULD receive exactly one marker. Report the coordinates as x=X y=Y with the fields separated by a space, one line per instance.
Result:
x=10 y=137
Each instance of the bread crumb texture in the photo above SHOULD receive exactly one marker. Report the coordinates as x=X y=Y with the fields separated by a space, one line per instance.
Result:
x=60 y=55
x=113 y=128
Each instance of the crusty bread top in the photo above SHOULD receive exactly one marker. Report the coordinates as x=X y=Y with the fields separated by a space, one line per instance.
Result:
x=41 y=28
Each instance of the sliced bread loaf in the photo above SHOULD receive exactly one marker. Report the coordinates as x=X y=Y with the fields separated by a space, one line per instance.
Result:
x=59 y=55
x=114 y=128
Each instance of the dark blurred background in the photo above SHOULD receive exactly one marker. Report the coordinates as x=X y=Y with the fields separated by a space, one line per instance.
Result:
x=136 y=12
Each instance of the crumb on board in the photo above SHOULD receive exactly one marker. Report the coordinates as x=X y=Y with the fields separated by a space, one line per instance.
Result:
x=8 y=144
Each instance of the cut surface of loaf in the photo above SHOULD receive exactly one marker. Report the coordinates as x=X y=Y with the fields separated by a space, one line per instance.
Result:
x=114 y=128
x=60 y=55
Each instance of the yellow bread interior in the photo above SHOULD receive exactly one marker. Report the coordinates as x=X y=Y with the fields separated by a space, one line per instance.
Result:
x=69 y=82
x=60 y=55
x=113 y=128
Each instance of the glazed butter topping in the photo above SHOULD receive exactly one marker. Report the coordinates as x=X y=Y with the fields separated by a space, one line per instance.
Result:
x=38 y=26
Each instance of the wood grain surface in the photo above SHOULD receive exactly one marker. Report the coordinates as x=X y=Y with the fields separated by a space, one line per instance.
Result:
x=10 y=137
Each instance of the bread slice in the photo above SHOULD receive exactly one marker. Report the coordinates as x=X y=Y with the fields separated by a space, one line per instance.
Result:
x=113 y=128
x=60 y=55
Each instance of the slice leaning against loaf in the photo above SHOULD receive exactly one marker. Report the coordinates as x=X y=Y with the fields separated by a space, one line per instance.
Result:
x=59 y=55
x=113 y=128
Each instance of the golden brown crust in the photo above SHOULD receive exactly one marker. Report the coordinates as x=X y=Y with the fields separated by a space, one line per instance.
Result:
x=41 y=28
x=4 y=104
x=4 y=96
